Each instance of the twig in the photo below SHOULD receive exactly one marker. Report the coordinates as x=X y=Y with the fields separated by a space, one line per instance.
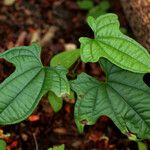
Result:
x=36 y=144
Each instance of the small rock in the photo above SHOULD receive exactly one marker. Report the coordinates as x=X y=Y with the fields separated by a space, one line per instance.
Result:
x=24 y=136
x=9 y=2
x=70 y=46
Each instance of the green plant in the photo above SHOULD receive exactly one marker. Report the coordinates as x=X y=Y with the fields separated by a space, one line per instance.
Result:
x=123 y=96
x=94 y=11
x=85 y=4
x=101 y=9
x=29 y=75
x=110 y=43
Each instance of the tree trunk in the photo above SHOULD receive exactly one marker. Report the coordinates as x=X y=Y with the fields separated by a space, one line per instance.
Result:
x=138 y=14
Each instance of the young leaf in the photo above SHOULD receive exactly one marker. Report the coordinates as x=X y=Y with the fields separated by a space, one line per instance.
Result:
x=55 y=101
x=124 y=97
x=61 y=147
x=22 y=90
x=110 y=43
x=65 y=59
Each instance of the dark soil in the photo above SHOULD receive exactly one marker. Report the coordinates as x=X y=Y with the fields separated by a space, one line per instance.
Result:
x=20 y=23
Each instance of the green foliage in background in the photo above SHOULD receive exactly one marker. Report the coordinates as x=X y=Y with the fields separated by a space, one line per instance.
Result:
x=94 y=11
x=101 y=9
x=85 y=4
x=61 y=147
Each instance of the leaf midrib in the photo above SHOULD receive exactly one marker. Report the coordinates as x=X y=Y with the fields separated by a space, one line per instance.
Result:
x=10 y=51
x=12 y=100
x=110 y=104
x=109 y=56
x=129 y=105
x=3 y=85
x=122 y=52
x=101 y=28
x=111 y=81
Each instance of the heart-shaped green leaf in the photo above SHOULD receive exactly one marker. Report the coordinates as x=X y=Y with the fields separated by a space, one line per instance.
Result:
x=22 y=90
x=110 y=43
x=124 y=97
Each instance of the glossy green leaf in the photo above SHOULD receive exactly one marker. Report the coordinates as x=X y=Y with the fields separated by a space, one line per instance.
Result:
x=110 y=43
x=65 y=59
x=55 y=101
x=124 y=97
x=61 y=147
x=22 y=90
x=2 y=145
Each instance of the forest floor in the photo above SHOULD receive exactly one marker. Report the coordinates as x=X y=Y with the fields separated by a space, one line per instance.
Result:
x=57 y=25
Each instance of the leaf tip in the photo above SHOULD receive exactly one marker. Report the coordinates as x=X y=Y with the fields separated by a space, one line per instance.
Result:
x=90 y=19
x=83 y=40
x=80 y=126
